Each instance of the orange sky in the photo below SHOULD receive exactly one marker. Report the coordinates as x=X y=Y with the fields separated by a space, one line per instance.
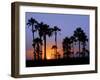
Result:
x=67 y=23
x=50 y=53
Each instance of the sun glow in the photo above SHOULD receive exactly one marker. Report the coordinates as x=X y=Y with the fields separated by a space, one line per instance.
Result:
x=29 y=54
x=49 y=57
x=48 y=53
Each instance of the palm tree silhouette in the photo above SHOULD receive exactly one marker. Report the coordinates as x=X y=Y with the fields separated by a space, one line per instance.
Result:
x=78 y=34
x=66 y=46
x=56 y=29
x=31 y=23
x=54 y=47
x=37 y=44
x=39 y=30
x=45 y=30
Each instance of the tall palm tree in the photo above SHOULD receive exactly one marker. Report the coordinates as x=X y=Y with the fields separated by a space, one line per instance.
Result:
x=66 y=46
x=37 y=44
x=78 y=34
x=31 y=23
x=39 y=30
x=55 y=30
x=45 y=30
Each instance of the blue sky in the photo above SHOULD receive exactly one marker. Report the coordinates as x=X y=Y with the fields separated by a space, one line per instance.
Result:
x=66 y=22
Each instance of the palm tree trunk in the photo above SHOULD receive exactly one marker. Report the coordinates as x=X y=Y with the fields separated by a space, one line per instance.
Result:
x=56 y=41
x=83 y=49
x=44 y=47
x=34 y=50
x=40 y=49
x=33 y=45
x=73 y=48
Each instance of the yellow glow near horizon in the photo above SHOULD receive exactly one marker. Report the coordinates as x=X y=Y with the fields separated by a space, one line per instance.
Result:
x=49 y=53
x=30 y=56
x=48 y=57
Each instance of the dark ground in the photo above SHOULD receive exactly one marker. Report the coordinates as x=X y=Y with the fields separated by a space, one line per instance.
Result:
x=53 y=62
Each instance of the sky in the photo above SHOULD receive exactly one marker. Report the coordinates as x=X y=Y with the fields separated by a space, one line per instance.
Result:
x=66 y=22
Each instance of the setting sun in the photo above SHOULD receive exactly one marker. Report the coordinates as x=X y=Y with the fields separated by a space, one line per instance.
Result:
x=49 y=52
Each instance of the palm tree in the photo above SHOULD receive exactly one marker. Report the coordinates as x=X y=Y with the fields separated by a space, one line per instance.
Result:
x=45 y=30
x=39 y=30
x=54 y=47
x=31 y=23
x=37 y=44
x=55 y=30
x=56 y=54
x=66 y=46
x=78 y=34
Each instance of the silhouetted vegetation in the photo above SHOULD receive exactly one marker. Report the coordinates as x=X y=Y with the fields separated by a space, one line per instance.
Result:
x=69 y=44
x=31 y=23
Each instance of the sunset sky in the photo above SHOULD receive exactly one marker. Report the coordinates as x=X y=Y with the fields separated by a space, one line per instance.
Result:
x=66 y=22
